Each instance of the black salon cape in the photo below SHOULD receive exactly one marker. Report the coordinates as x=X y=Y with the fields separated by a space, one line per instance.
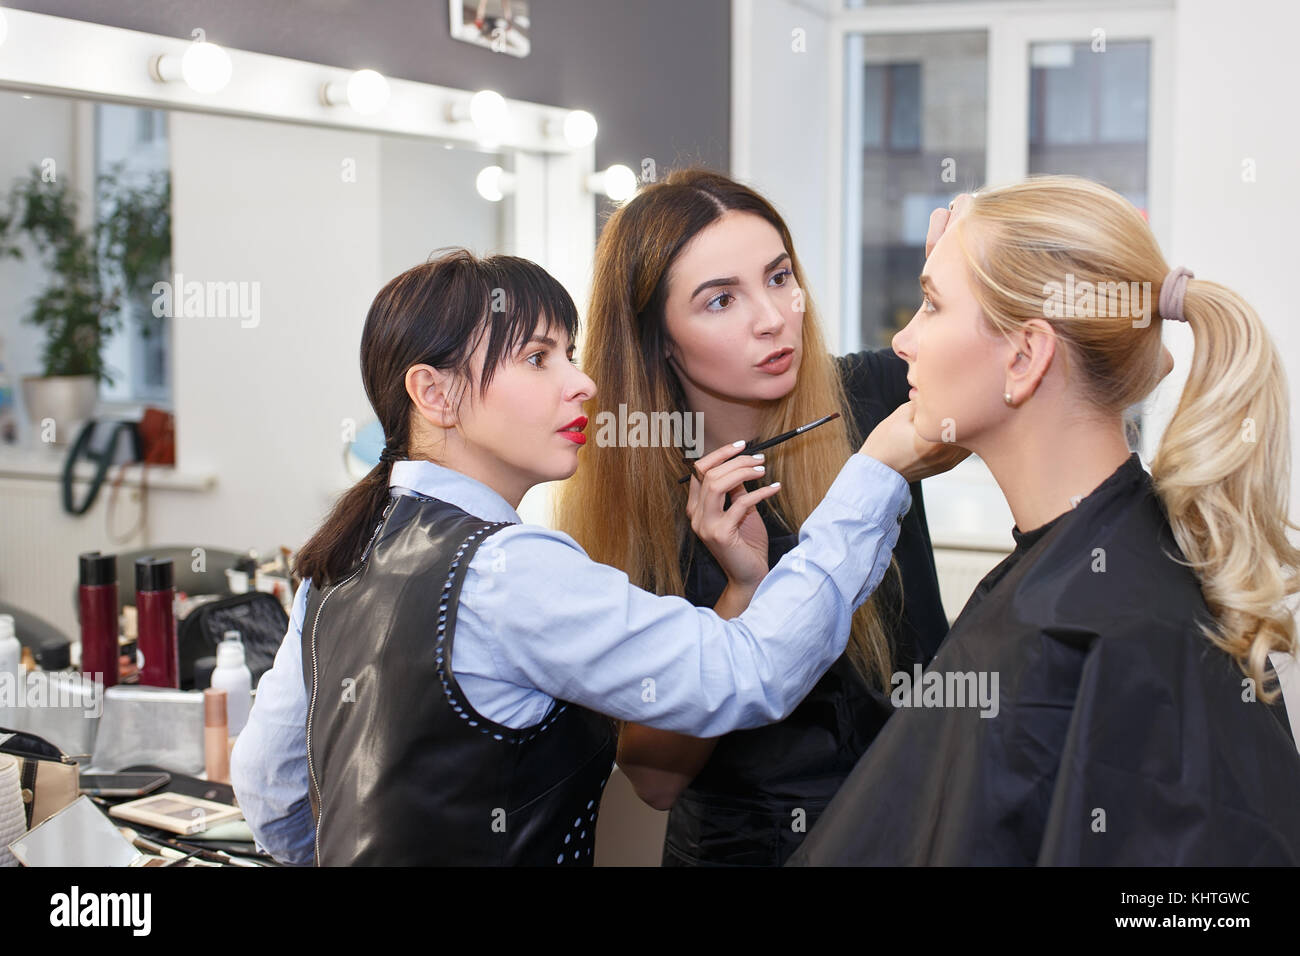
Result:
x=1114 y=712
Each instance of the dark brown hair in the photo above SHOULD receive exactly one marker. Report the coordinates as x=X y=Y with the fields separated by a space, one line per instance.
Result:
x=434 y=314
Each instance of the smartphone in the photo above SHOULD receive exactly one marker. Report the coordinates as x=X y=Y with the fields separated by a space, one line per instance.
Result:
x=122 y=784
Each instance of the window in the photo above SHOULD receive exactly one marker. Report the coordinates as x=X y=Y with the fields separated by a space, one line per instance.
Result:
x=892 y=120
x=1088 y=113
x=921 y=140
x=132 y=174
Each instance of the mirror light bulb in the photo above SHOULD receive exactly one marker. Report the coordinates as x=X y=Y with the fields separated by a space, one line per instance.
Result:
x=620 y=182
x=579 y=128
x=206 y=67
x=367 y=91
x=487 y=110
x=493 y=183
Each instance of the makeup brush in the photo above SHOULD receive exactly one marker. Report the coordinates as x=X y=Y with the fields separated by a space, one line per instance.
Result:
x=755 y=446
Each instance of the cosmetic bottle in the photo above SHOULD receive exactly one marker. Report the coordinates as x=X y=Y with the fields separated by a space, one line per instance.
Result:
x=233 y=676
x=54 y=656
x=216 y=745
x=97 y=600
x=156 y=621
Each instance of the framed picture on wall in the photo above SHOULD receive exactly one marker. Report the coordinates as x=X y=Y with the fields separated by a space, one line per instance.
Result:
x=503 y=26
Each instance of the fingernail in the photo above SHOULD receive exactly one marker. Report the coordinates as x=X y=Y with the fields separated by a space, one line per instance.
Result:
x=776 y=484
x=759 y=457
x=760 y=469
x=738 y=444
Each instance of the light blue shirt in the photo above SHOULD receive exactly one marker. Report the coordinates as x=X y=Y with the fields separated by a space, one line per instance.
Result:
x=538 y=620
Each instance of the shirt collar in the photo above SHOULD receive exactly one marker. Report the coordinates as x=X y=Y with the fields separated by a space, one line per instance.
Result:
x=466 y=493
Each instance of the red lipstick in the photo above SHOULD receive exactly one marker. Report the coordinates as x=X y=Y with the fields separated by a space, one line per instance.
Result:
x=573 y=430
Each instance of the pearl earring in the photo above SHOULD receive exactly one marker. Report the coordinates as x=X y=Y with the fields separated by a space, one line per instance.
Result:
x=1006 y=397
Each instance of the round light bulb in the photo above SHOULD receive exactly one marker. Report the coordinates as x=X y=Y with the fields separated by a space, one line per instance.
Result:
x=579 y=128
x=206 y=67
x=493 y=183
x=487 y=110
x=620 y=182
x=367 y=91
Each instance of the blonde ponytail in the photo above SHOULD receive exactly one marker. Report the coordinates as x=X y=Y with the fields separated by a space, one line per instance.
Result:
x=1223 y=474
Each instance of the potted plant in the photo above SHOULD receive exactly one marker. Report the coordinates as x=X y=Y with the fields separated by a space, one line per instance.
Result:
x=91 y=271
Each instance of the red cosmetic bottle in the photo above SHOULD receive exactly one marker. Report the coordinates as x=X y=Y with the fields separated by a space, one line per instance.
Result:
x=156 y=617
x=97 y=600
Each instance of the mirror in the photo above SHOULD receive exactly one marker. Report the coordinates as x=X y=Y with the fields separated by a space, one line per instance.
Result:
x=255 y=225
x=254 y=202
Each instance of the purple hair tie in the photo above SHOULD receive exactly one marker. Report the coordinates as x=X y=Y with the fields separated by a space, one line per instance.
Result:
x=1172 y=291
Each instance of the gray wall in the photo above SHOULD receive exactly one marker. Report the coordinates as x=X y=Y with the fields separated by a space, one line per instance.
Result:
x=656 y=73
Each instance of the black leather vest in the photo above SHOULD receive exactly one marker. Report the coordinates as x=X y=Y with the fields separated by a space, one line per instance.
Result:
x=403 y=771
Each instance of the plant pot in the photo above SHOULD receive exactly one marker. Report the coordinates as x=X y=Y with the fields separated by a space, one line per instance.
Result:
x=67 y=399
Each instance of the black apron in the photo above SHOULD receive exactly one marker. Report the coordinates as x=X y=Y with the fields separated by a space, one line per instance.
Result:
x=1121 y=735
x=402 y=770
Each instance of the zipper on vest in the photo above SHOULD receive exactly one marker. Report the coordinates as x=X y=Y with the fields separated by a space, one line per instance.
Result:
x=311 y=706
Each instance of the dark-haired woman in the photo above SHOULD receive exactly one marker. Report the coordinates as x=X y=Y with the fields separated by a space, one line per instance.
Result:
x=438 y=698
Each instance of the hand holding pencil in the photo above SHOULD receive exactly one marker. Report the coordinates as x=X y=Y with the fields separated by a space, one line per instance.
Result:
x=756 y=446
x=731 y=527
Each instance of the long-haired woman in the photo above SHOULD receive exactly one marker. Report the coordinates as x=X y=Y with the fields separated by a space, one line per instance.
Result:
x=438 y=696
x=1106 y=695
x=699 y=308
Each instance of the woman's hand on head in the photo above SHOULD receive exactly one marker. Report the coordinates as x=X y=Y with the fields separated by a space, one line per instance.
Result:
x=896 y=443
x=941 y=219
x=736 y=537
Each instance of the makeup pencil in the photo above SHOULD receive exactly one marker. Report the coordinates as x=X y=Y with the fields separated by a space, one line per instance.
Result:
x=752 y=447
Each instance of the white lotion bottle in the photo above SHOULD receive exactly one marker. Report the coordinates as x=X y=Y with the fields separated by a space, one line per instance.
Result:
x=233 y=676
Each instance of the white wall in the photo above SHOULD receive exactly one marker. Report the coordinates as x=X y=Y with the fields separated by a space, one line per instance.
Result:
x=1235 y=99
x=780 y=124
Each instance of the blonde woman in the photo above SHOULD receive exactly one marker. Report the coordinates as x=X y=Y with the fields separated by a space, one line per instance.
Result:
x=1135 y=717
x=699 y=308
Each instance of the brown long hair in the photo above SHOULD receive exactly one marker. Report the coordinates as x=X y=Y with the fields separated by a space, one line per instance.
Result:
x=434 y=314
x=624 y=505
x=1222 y=470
